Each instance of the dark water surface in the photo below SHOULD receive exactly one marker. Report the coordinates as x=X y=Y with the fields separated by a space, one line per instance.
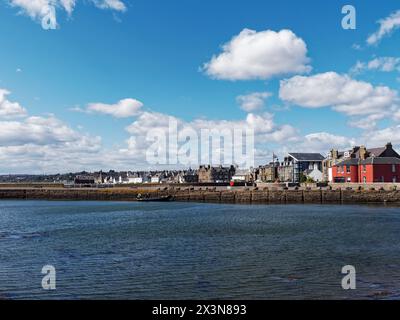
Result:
x=117 y=250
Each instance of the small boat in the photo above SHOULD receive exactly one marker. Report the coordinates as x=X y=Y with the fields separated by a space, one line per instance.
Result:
x=154 y=199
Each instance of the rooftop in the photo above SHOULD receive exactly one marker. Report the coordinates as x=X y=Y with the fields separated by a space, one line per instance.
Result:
x=349 y=162
x=370 y=160
x=307 y=156
x=381 y=160
x=376 y=152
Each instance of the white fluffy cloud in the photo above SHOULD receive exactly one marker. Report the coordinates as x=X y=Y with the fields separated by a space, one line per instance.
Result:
x=122 y=109
x=259 y=55
x=9 y=109
x=68 y=5
x=38 y=144
x=45 y=144
x=38 y=9
x=318 y=142
x=387 y=25
x=339 y=91
x=322 y=142
x=396 y=115
x=266 y=131
x=263 y=125
x=368 y=122
x=36 y=130
x=384 y=64
x=110 y=4
x=253 y=101
x=380 y=137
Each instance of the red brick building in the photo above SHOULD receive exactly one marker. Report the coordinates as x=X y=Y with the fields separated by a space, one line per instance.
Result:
x=370 y=170
x=357 y=153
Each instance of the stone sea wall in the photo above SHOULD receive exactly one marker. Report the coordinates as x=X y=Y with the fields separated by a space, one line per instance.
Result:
x=208 y=195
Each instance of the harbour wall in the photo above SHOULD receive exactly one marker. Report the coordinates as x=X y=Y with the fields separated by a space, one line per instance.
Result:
x=246 y=196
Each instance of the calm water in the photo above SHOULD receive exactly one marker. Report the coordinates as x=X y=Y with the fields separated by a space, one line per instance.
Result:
x=108 y=250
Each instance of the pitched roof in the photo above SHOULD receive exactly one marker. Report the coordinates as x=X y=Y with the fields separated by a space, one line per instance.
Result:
x=376 y=152
x=349 y=162
x=307 y=156
x=381 y=160
x=370 y=160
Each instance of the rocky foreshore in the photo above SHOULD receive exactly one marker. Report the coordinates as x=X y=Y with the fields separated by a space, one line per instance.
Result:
x=243 y=196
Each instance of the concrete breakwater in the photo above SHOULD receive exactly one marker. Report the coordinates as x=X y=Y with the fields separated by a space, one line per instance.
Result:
x=246 y=196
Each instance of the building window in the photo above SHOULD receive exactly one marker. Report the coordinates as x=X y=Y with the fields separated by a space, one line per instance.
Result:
x=365 y=179
x=348 y=169
x=382 y=179
x=394 y=179
x=339 y=180
x=393 y=168
x=364 y=168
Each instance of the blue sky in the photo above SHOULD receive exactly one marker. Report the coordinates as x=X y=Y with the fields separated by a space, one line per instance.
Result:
x=154 y=52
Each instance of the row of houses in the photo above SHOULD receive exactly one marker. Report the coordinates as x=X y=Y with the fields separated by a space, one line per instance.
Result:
x=140 y=177
x=296 y=168
x=357 y=165
x=205 y=174
x=362 y=165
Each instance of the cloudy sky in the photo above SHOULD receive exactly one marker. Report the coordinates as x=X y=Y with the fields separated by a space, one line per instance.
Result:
x=86 y=94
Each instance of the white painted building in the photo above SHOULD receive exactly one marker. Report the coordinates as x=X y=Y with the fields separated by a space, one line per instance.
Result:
x=240 y=175
x=330 y=175
x=135 y=180
x=155 y=179
x=315 y=174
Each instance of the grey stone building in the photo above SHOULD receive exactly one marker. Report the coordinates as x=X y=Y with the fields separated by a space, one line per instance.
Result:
x=296 y=165
x=220 y=174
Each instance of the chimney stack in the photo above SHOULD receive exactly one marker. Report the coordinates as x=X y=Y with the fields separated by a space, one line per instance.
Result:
x=363 y=152
x=334 y=154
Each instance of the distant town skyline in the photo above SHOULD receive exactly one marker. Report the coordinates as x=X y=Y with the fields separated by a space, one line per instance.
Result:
x=85 y=95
